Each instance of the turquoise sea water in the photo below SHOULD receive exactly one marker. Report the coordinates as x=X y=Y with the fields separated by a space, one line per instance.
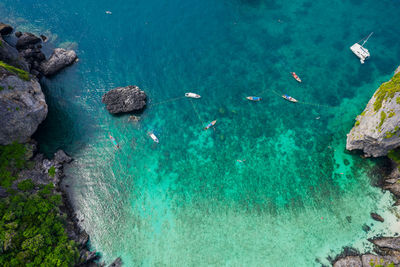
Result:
x=298 y=198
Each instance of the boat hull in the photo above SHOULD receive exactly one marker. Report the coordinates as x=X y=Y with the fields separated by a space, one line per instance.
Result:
x=289 y=98
x=297 y=78
x=254 y=98
x=192 y=95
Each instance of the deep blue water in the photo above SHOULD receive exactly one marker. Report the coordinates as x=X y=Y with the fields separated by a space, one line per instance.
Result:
x=297 y=198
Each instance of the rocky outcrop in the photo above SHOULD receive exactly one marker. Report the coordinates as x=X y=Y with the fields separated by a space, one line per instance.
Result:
x=26 y=40
x=387 y=242
x=60 y=59
x=5 y=29
x=397 y=70
x=22 y=107
x=27 y=54
x=11 y=56
x=353 y=261
x=377 y=129
x=124 y=99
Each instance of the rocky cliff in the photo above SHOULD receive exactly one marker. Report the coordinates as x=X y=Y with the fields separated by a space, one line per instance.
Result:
x=22 y=102
x=377 y=128
x=22 y=106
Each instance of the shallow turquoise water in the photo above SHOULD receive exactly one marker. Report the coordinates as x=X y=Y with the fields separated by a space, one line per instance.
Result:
x=298 y=197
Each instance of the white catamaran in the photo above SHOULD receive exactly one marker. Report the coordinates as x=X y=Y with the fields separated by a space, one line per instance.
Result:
x=361 y=52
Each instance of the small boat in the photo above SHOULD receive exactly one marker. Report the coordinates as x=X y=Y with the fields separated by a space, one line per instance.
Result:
x=108 y=12
x=210 y=124
x=360 y=51
x=296 y=77
x=154 y=137
x=289 y=98
x=114 y=141
x=254 y=98
x=192 y=95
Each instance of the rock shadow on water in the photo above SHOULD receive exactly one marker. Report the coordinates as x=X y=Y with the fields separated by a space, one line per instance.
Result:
x=57 y=130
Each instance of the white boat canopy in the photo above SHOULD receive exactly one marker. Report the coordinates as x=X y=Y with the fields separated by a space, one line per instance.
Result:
x=361 y=52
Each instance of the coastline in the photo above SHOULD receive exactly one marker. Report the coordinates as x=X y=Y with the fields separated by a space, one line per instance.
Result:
x=386 y=248
x=23 y=64
x=381 y=140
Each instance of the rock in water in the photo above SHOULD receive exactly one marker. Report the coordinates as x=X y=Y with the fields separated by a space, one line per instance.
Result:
x=124 y=99
x=60 y=59
x=22 y=107
x=5 y=29
x=377 y=129
x=27 y=39
x=377 y=217
x=116 y=263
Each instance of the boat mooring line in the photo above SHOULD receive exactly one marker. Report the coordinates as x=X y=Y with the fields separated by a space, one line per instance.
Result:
x=166 y=101
x=197 y=113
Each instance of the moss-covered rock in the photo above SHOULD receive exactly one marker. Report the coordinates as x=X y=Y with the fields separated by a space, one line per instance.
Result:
x=377 y=128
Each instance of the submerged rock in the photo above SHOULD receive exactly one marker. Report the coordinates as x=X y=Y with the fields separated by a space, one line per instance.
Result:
x=377 y=129
x=124 y=99
x=22 y=107
x=60 y=59
x=377 y=217
x=116 y=263
x=5 y=29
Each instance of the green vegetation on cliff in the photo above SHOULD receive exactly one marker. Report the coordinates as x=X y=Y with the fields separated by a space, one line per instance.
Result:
x=12 y=160
x=32 y=231
x=20 y=73
x=394 y=155
x=387 y=90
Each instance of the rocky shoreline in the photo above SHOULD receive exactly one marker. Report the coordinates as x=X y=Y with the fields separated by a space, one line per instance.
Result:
x=23 y=108
x=376 y=133
x=386 y=250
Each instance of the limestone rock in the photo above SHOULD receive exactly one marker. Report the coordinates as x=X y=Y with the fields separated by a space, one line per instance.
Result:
x=9 y=55
x=60 y=157
x=377 y=129
x=60 y=59
x=83 y=239
x=397 y=70
x=349 y=261
x=124 y=99
x=387 y=242
x=374 y=260
x=22 y=107
x=5 y=29
x=27 y=39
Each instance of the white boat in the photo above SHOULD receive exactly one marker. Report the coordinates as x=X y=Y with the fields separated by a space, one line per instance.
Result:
x=360 y=51
x=154 y=137
x=108 y=12
x=192 y=95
